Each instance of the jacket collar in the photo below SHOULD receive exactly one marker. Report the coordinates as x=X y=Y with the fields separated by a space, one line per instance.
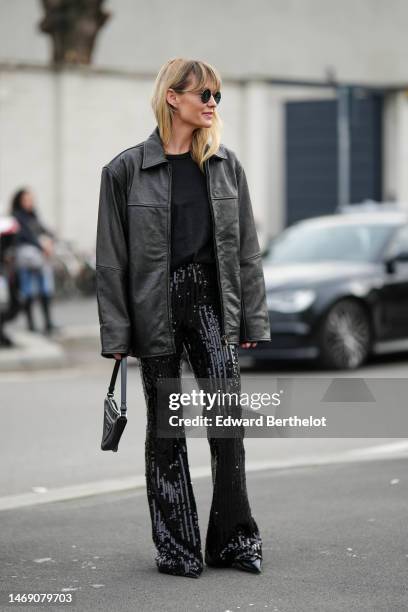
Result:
x=153 y=152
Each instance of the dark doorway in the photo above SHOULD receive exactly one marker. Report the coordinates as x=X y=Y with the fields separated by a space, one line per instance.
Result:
x=312 y=153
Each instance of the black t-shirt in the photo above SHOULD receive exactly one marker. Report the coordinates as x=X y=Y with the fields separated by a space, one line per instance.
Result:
x=191 y=221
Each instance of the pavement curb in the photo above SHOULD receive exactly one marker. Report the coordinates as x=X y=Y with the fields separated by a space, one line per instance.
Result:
x=31 y=351
x=34 y=351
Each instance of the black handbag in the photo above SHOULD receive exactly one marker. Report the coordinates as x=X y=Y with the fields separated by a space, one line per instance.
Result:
x=114 y=419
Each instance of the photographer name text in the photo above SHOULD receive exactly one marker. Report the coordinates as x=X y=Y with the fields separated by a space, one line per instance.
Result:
x=262 y=420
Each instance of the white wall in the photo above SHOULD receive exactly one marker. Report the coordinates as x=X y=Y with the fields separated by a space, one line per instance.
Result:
x=27 y=144
x=362 y=41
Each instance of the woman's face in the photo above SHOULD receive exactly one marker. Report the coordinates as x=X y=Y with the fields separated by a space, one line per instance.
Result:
x=27 y=200
x=190 y=108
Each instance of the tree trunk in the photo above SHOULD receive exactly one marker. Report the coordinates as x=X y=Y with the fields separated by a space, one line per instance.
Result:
x=73 y=26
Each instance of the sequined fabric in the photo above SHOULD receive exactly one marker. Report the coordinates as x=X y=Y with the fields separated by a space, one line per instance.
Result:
x=232 y=531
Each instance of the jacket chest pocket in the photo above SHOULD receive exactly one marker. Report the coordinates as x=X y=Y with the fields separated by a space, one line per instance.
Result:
x=149 y=189
x=132 y=201
x=222 y=193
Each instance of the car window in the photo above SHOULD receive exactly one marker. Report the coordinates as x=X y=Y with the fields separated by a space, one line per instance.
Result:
x=313 y=242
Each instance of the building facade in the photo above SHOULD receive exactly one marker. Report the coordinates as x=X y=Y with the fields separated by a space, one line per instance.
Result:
x=314 y=102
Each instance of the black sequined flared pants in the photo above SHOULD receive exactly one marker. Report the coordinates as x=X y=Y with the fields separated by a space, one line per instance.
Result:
x=232 y=532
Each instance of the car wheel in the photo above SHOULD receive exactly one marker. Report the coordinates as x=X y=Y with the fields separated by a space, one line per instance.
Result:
x=345 y=336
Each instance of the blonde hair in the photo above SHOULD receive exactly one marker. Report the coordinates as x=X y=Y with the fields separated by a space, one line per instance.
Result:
x=179 y=74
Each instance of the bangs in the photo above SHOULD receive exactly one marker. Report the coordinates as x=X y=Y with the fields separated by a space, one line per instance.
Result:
x=203 y=76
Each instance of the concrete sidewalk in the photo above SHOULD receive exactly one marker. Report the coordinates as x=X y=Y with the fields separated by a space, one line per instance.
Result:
x=78 y=322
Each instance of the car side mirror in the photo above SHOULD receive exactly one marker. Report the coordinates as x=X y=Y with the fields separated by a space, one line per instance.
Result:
x=391 y=261
x=401 y=256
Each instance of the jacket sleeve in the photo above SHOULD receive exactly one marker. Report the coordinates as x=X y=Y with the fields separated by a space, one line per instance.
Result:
x=254 y=311
x=112 y=267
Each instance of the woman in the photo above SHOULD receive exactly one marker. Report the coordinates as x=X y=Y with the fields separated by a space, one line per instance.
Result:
x=34 y=246
x=179 y=267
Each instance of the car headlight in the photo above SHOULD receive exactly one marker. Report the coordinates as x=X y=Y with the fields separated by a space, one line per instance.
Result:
x=290 y=301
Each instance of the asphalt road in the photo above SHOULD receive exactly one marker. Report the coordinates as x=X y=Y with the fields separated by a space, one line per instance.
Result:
x=334 y=539
x=334 y=533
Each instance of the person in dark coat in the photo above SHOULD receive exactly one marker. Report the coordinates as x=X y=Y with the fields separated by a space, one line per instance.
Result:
x=34 y=247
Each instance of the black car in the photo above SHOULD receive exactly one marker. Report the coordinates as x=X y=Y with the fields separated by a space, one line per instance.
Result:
x=337 y=288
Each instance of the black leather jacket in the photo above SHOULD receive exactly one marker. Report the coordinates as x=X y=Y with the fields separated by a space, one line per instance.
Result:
x=133 y=252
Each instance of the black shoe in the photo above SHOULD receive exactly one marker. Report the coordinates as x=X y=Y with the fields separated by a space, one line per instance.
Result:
x=167 y=564
x=250 y=564
x=173 y=572
x=178 y=570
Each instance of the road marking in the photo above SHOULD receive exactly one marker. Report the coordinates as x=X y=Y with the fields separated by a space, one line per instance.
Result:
x=392 y=447
x=380 y=451
x=370 y=453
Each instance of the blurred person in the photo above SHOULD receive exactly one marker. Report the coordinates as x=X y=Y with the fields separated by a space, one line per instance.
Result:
x=9 y=302
x=179 y=266
x=34 y=248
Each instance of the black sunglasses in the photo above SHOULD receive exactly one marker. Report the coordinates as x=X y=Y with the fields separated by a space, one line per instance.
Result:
x=206 y=95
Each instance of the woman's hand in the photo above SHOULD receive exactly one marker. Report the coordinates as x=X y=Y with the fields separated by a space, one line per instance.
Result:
x=118 y=356
x=247 y=345
x=47 y=245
